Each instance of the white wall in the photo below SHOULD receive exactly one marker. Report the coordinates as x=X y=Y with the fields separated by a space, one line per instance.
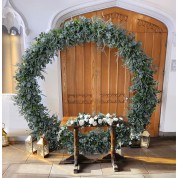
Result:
x=15 y=124
x=168 y=122
x=40 y=14
x=52 y=88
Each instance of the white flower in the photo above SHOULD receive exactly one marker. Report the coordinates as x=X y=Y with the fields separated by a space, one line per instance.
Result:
x=117 y=125
x=94 y=123
x=104 y=119
x=108 y=115
x=71 y=122
x=95 y=117
x=81 y=122
x=109 y=121
x=86 y=120
x=100 y=121
x=115 y=119
x=85 y=116
x=91 y=120
x=121 y=118
x=81 y=116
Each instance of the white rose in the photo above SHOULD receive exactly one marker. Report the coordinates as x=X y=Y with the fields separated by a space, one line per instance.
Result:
x=108 y=115
x=85 y=116
x=88 y=115
x=104 y=119
x=86 y=120
x=91 y=120
x=81 y=116
x=81 y=122
x=95 y=117
x=109 y=121
x=120 y=118
x=100 y=121
x=71 y=122
x=117 y=125
x=94 y=123
x=115 y=119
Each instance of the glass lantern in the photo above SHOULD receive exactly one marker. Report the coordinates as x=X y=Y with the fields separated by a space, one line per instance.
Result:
x=145 y=139
x=4 y=137
x=42 y=147
x=30 y=144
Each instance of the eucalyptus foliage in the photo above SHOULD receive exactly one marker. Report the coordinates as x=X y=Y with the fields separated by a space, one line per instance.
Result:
x=75 y=32
x=96 y=141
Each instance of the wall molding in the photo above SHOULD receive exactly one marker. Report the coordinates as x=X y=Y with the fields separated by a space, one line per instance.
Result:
x=145 y=8
x=167 y=134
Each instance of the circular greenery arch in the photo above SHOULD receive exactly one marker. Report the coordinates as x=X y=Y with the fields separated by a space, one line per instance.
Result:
x=75 y=32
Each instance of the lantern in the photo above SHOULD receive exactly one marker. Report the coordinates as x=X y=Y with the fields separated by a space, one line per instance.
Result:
x=145 y=139
x=42 y=147
x=4 y=137
x=30 y=144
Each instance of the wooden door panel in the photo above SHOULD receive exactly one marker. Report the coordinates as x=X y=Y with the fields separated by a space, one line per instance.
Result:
x=94 y=81
x=112 y=85
x=98 y=75
x=87 y=78
x=104 y=80
x=70 y=80
x=64 y=81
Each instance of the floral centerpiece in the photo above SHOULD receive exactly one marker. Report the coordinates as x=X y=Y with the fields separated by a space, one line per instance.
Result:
x=98 y=120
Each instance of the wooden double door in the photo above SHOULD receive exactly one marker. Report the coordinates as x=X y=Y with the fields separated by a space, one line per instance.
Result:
x=96 y=80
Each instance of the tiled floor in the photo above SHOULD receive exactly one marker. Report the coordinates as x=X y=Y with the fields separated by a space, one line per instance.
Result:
x=159 y=161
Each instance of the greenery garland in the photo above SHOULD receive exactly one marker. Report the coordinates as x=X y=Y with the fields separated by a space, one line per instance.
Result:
x=75 y=32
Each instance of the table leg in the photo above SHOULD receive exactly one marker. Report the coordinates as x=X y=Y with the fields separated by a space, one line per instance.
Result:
x=76 y=151
x=112 y=150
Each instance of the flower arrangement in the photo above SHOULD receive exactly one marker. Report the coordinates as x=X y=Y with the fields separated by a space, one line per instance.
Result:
x=98 y=140
x=98 y=120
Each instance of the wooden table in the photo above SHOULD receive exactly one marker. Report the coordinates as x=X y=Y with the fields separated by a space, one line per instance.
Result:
x=77 y=158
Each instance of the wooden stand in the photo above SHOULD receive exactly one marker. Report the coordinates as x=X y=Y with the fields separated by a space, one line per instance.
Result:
x=77 y=158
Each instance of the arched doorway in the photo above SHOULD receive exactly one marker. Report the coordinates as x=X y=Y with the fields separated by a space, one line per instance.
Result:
x=94 y=81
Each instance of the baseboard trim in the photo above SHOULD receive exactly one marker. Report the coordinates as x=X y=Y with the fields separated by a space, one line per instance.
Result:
x=167 y=134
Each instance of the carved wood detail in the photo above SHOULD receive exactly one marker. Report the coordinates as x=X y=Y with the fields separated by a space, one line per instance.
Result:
x=112 y=98
x=149 y=25
x=121 y=17
x=79 y=99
